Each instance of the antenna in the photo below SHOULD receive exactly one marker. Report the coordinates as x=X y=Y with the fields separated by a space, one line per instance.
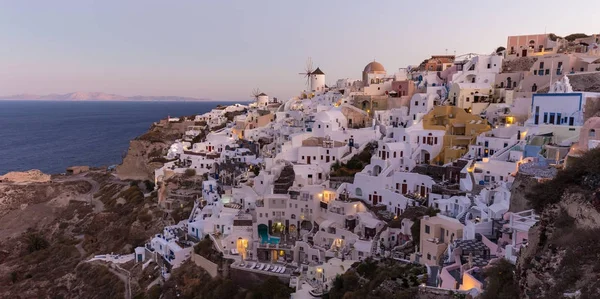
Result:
x=308 y=69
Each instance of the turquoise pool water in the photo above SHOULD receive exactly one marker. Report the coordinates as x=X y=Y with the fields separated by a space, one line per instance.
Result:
x=265 y=238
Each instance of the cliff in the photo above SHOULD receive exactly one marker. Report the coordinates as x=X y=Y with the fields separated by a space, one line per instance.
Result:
x=562 y=257
x=145 y=153
x=49 y=231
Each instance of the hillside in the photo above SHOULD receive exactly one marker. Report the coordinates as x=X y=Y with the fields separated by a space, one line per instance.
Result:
x=563 y=252
x=95 y=96
x=49 y=230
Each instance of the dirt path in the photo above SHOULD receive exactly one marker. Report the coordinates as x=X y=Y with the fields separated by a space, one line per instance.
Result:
x=122 y=274
x=89 y=196
x=79 y=246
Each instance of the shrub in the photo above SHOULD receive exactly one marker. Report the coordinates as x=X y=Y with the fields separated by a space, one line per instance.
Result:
x=580 y=173
x=149 y=185
x=35 y=242
x=501 y=282
x=574 y=36
x=190 y=172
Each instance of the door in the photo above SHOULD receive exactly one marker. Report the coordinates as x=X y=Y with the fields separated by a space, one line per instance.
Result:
x=404 y=188
x=426 y=158
x=326 y=159
x=423 y=191
x=442 y=234
x=307 y=159
x=524 y=53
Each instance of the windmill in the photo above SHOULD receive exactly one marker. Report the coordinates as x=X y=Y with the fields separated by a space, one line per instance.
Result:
x=255 y=93
x=307 y=72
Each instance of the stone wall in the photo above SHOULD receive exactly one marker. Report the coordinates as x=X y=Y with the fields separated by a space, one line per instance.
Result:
x=248 y=279
x=210 y=267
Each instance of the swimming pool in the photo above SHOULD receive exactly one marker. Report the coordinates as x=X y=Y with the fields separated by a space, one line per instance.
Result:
x=265 y=237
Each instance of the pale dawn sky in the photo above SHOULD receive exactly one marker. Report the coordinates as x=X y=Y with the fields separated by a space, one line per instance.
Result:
x=224 y=49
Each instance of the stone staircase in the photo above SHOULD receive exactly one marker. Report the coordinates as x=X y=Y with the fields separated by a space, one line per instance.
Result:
x=375 y=243
x=285 y=180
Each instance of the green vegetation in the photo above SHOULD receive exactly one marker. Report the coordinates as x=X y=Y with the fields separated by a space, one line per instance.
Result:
x=182 y=210
x=149 y=185
x=501 y=282
x=574 y=36
x=35 y=242
x=232 y=114
x=189 y=172
x=378 y=279
x=205 y=249
x=355 y=164
x=553 y=37
x=500 y=49
x=582 y=173
x=199 y=138
x=255 y=169
x=190 y=281
x=151 y=136
x=414 y=214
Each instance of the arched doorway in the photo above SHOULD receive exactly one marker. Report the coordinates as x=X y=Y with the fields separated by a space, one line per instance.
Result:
x=376 y=170
x=306 y=225
x=358 y=192
x=241 y=246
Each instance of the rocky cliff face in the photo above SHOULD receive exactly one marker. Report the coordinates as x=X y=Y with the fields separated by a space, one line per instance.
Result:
x=562 y=255
x=562 y=258
x=145 y=152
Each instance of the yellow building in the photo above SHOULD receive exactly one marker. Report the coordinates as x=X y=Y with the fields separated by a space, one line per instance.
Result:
x=461 y=127
x=254 y=119
x=436 y=233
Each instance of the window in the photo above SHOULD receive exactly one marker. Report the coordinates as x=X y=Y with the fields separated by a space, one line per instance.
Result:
x=416 y=103
x=429 y=256
x=541 y=65
x=592 y=133
x=467 y=99
x=534 y=72
x=260 y=215
x=545 y=117
x=427 y=229
x=489 y=66
x=547 y=71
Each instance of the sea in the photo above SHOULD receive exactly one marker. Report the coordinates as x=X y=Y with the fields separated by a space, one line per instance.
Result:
x=53 y=135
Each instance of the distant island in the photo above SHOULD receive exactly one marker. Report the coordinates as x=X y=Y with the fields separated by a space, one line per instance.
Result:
x=96 y=96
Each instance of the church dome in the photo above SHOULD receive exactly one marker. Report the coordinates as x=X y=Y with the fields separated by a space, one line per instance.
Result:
x=374 y=67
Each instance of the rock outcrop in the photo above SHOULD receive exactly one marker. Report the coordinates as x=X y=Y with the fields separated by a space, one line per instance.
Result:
x=146 y=152
x=562 y=255
x=31 y=176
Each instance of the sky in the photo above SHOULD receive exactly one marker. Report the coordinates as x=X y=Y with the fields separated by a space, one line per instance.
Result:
x=222 y=49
